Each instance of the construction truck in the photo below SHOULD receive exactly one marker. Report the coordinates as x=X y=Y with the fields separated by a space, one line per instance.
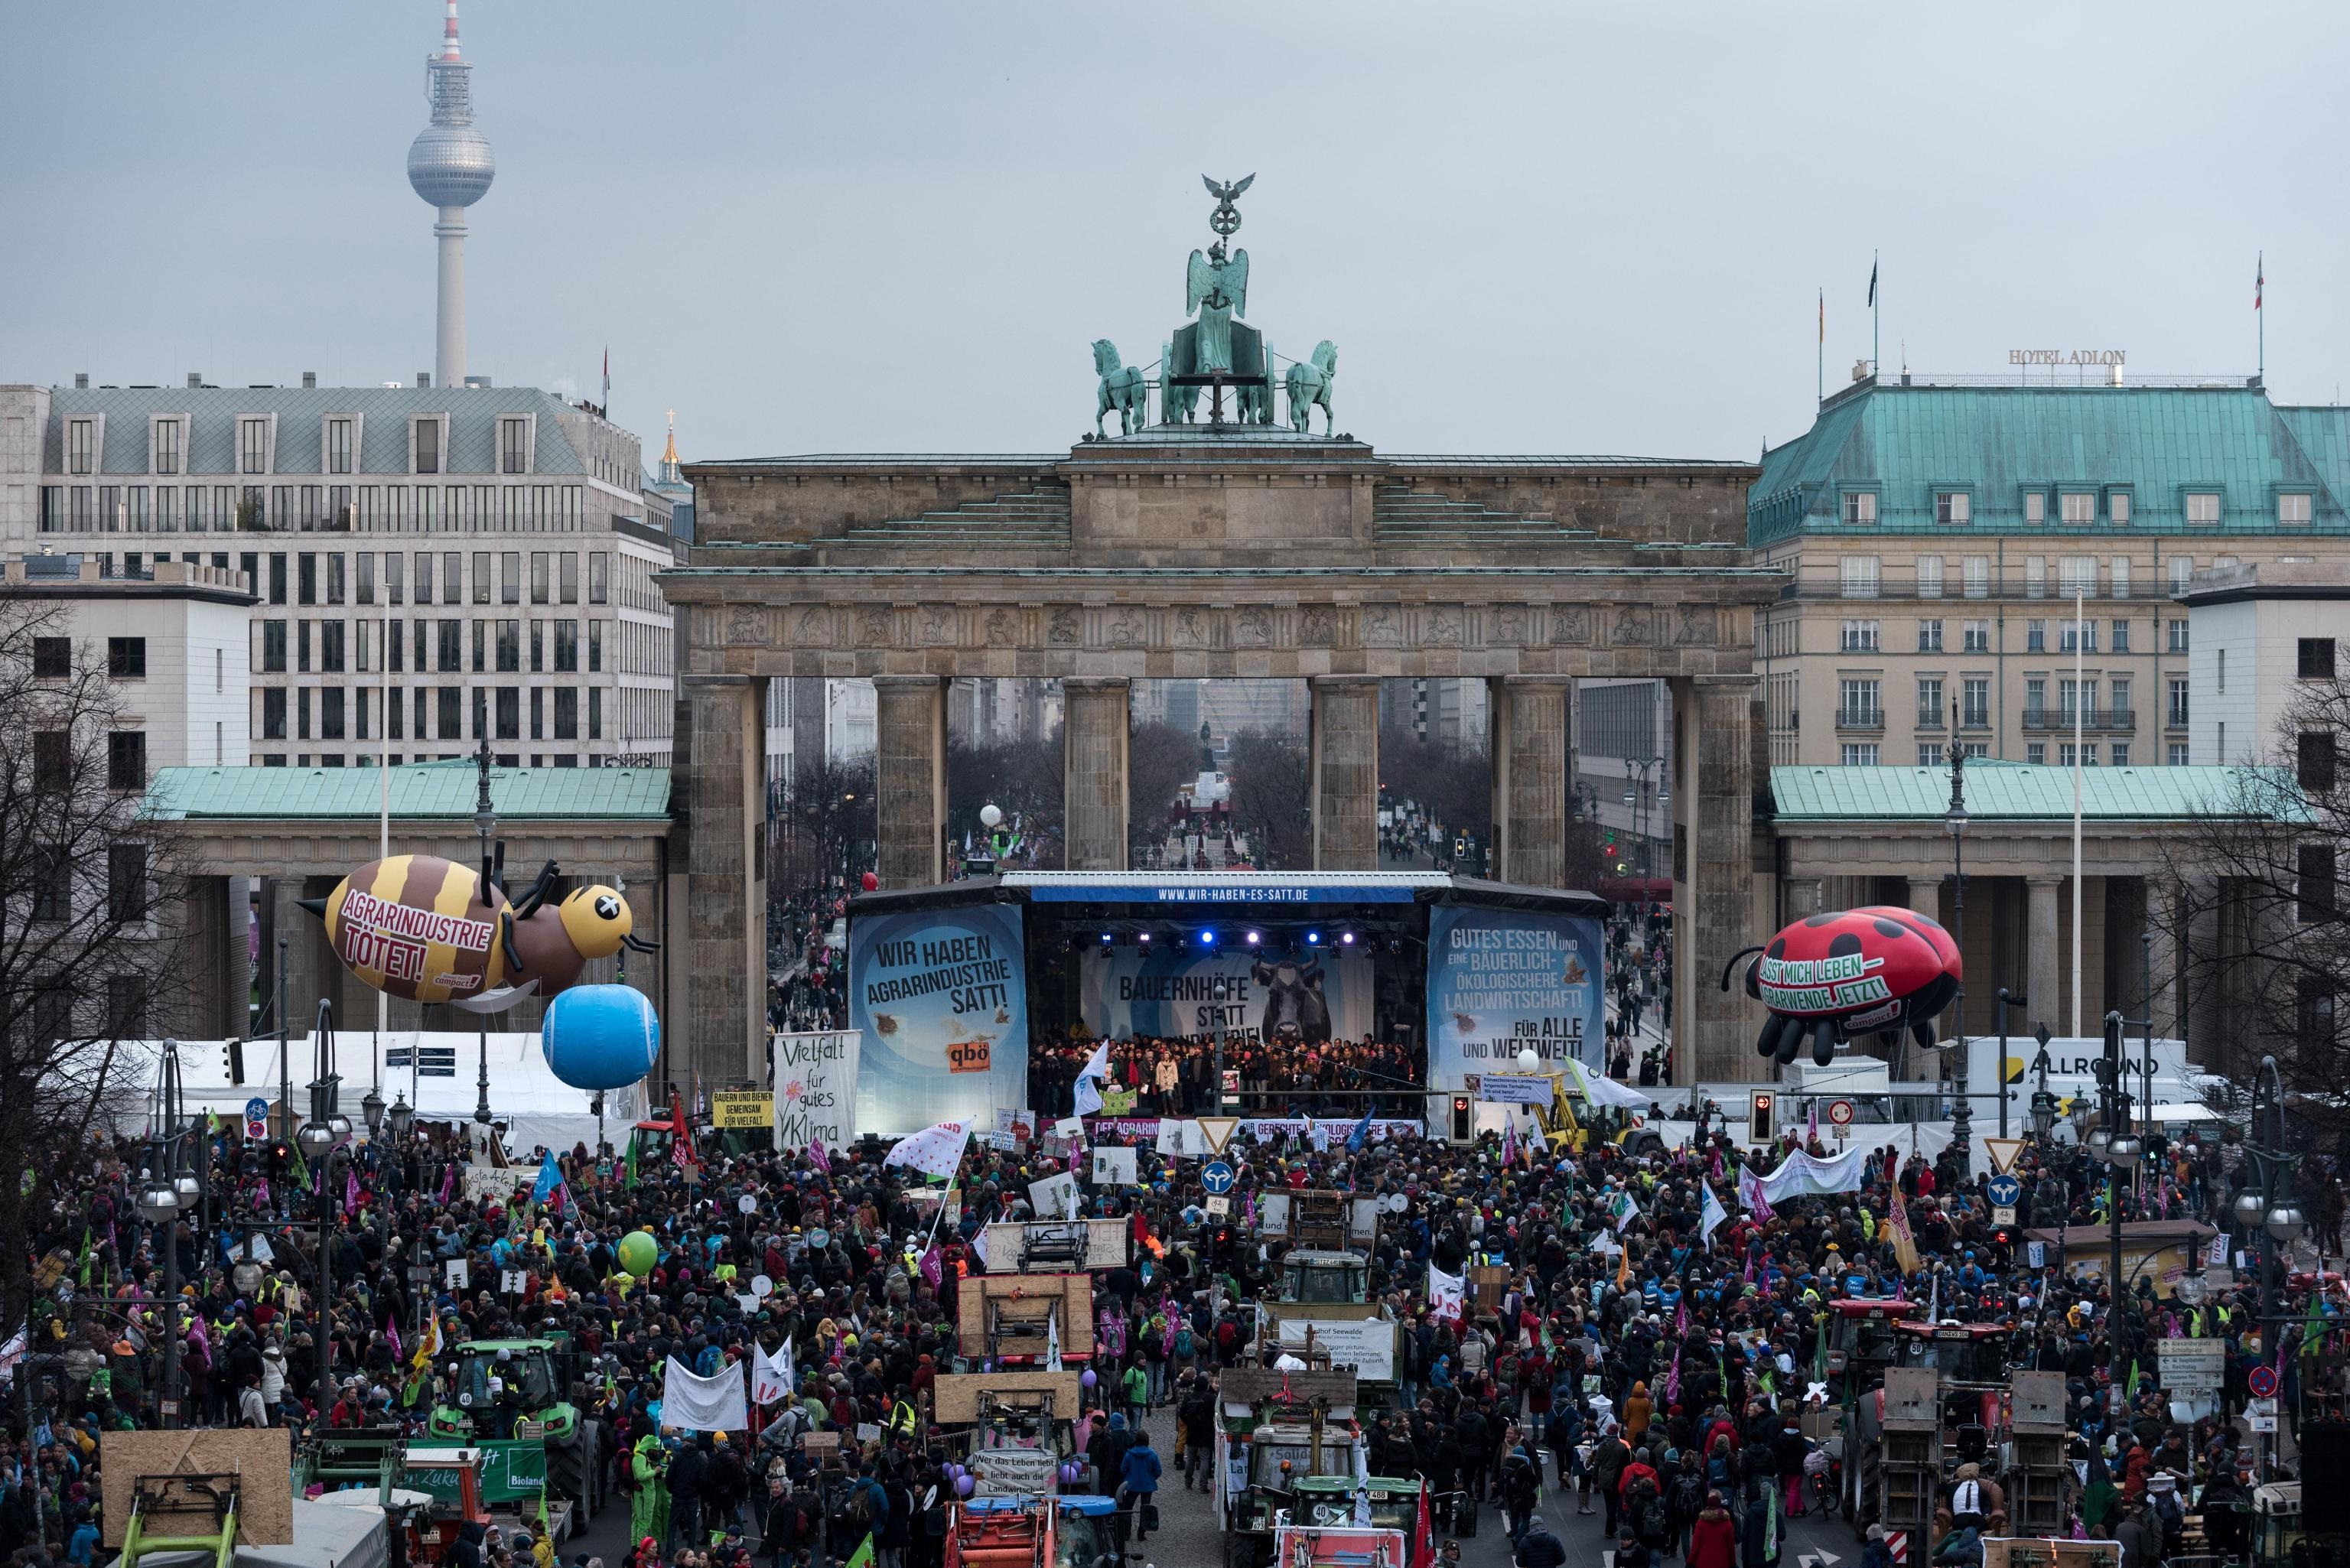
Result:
x=1570 y=1130
x=1018 y=1320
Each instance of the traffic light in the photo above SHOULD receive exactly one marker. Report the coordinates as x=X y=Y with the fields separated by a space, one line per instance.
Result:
x=1461 y=1124
x=232 y=1057
x=281 y=1159
x=1759 y=1129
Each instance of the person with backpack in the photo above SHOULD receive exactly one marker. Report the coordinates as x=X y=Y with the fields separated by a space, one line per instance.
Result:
x=1540 y=1548
x=1521 y=1487
x=1607 y=1462
x=1651 y=1521
x=1139 y=1485
x=1713 y=1538
x=1195 y=1426
x=1685 y=1500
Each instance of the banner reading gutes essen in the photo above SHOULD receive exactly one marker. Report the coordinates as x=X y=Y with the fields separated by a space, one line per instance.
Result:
x=1501 y=980
x=940 y=1000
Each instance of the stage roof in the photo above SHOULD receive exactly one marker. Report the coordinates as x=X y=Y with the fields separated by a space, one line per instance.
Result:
x=1188 y=894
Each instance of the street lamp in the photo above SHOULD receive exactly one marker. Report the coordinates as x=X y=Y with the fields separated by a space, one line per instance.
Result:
x=485 y=823
x=401 y=1115
x=1529 y=1058
x=1955 y=819
x=371 y=1110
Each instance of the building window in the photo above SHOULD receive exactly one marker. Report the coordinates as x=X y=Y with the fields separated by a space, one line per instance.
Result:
x=1860 y=754
x=393 y=584
x=423 y=577
x=1929 y=636
x=2316 y=890
x=126 y=759
x=81 y=445
x=2314 y=759
x=2076 y=575
x=2314 y=657
x=126 y=658
x=1952 y=507
x=539 y=577
x=481 y=577
x=2036 y=753
x=1859 y=508
x=307 y=578
x=509 y=714
x=1978 y=637
x=598 y=576
x=330 y=647
x=366 y=594
x=167 y=446
x=428 y=446
x=2177 y=751
x=1978 y=570
x=334 y=579
x=509 y=649
x=2224 y=669
x=537 y=646
x=339 y=446
x=2117 y=701
x=126 y=883
x=566 y=713
x=2118 y=570
x=272 y=648
x=52 y=760
x=567 y=578
x=2292 y=511
x=2118 y=508
x=595 y=648
x=2035 y=507
x=2088 y=755
x=514 y=446
x=2076 y=636
x=2177 y=637
x=1860 y=708
x=1929 y=701
x=481 y=646
x=1860 y=637
x=2080 y=509
x=450 y=720
x=2121 y=637
x=2182 y=573
x=2203 y=509
x=539 y=713
x=2121 y=753
x=330 y=713
x=594 y=712
x=1929 y=754
x=252 y=446
x=2035 y=636
x=1860 y=577
x=1974 y=701
x=2035 y=701
x=1929 y=576
x=567 y=647
x=452 y=634
x=52 y=658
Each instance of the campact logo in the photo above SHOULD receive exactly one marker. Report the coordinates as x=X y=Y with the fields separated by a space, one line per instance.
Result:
x=967 y=1057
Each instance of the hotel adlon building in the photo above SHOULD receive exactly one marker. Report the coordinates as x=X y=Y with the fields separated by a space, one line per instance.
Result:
x=1939 y=532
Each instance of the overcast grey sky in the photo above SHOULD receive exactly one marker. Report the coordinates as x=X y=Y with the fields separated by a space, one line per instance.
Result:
x=898 y=226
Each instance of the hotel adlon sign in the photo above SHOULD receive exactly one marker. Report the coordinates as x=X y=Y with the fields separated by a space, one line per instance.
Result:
x=2068 y=357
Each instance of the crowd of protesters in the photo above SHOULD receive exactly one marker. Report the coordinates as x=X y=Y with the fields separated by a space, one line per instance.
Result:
x=1177 y=1076
x=1638 y=1366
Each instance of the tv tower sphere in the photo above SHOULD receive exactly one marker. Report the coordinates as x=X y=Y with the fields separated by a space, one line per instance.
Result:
x=451 y=165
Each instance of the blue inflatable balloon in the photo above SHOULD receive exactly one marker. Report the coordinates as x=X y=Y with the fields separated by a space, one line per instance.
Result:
x=600 y=1036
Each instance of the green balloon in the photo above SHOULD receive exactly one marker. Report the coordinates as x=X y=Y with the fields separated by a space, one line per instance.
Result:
x=637 y=1253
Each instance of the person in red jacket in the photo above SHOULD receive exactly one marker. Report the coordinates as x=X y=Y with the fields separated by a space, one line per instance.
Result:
x=1713 y=1539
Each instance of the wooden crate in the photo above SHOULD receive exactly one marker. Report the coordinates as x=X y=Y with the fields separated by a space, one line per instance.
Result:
x=1071 y=1295
x=262 y=1458
x=956 y=1396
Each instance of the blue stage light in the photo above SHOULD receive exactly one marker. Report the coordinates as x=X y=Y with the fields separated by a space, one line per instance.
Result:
x=1207 y=938
x=1312 y=938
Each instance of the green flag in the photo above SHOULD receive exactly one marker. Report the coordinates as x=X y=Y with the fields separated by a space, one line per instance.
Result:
x=2133 y=1378
x=2313 y=1328
x=84 y=1258
x=863 y=1556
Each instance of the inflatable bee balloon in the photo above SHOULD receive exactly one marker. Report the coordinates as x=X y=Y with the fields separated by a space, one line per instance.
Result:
x=421 y=927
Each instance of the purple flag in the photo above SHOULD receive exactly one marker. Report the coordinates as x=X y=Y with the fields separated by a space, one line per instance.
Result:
x=817 y=1157
x=934 y=1266
x=448 y=1181
x=350 y=1192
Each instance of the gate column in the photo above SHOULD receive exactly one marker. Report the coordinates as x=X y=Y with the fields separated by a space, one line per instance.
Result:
x=1094 y=734
x=721 y=976
x=1713 y=871
x=1343 y=764
x=911 y=779
x=1529 y=759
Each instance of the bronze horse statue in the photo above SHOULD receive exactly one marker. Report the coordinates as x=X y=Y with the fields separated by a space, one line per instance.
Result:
x=1123 y=387
x=1308 y=384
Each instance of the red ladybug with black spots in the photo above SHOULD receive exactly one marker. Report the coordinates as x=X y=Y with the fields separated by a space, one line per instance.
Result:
x=1876 y=970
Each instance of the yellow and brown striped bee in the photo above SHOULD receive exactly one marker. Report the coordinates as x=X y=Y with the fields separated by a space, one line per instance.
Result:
x=415 y=926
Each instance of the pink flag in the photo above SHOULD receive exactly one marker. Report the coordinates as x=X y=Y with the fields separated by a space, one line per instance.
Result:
x=933 y=1265
x=350 y=1192
x=817 y=1157
x=448 y=1179
x=1680 y=1330
x=392 y=1332
x=1510 y=1141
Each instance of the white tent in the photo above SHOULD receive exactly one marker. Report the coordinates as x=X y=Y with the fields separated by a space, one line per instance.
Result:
x=538 y=1109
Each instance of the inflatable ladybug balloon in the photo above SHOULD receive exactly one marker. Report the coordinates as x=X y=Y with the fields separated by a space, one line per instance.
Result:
x=1862 y=972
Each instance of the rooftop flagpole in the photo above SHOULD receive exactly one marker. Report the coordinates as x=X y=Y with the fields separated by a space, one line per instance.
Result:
x=2079 y=720
x=1874 y=368
x=2260 y=312
x=1821 y=373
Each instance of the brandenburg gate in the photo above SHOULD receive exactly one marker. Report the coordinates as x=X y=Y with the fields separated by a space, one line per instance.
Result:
x=1214 y=542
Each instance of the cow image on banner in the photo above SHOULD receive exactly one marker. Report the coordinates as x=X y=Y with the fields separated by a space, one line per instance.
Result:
x=938 y=999
x=1308 y=997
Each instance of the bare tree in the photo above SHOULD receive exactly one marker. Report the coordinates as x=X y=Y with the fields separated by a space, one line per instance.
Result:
x=91 y=894
x=1160 y=760
x=1451 y=781
x=1271 y=799
x=823 y=821
x=2260 y=928
x=1023 y=779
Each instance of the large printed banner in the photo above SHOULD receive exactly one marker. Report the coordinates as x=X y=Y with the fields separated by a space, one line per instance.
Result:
x=940 y=998
x=1501 y=980
x=815 y=1088
x=1167 y=990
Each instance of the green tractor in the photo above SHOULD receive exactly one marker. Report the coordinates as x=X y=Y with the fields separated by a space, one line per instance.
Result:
x=508 y=1390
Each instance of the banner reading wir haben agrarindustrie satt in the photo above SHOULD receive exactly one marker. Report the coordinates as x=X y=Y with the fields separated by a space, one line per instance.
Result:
x=940 y=1000
x=1501 y=980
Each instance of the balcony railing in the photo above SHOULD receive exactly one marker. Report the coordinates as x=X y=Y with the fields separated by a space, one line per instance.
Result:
x=1930 y=718
x=2059 y=720
x=1860 y=718
x=1956 y=588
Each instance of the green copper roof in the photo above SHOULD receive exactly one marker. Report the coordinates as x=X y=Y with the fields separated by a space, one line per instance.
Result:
x=1905 y=443
x=420 y=791
x=2021 y=792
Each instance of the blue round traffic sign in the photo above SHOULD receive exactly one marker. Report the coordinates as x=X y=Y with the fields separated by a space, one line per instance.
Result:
x=256 y=1110
x=1217 y=1178
x=2004 y=1191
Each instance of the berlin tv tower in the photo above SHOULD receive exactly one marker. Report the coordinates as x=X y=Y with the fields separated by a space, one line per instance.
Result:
x=449 y=164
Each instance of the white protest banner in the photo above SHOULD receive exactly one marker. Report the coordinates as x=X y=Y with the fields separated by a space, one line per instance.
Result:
x=1801 y=1175
x=1510 y=1089
x=1056 y=1197
x=1114 y=1168
x=1447 y=1294
x=815 y=1088
x=935 y=1151
x=693 y=1404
